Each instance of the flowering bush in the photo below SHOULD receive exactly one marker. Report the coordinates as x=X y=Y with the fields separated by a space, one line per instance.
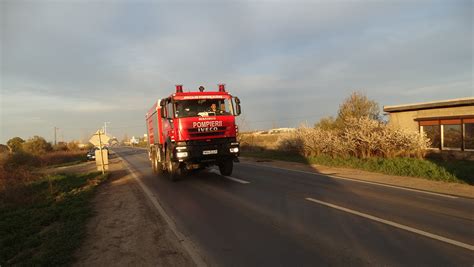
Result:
x=360 y=137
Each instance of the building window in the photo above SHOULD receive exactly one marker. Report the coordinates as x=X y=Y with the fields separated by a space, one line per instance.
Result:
x=469 y=135
x=432 y=130
x=452 y=136
x=433 y=133
x=449 y=134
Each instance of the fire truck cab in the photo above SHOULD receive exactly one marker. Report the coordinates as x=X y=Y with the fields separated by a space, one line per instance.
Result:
x=193 y=130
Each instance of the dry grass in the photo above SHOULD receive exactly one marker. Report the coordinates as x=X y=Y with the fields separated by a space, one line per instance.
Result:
x=18 y=169
x=61 y=157
x=251 y=141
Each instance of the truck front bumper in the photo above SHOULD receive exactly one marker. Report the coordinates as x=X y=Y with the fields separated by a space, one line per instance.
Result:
x=206 y=151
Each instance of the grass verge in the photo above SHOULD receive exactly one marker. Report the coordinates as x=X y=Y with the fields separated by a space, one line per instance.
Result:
x=45 y=221
x=438 y=170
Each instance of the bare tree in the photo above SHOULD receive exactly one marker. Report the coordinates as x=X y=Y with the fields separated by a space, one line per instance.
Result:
x=358 y=105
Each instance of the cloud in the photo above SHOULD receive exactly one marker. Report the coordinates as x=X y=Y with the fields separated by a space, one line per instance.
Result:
x=298 y=59
x=17 y=103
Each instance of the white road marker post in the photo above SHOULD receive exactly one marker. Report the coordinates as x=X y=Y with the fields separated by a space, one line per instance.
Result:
x=98 y=140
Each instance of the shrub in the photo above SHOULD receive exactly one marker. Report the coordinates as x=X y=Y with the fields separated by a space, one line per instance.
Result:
x=37 y=146
x=15 y=170
x=60 y=157
x=15 y=144
x=20 y=159
x=359 y=137
x=72 y=146
x=61 y=146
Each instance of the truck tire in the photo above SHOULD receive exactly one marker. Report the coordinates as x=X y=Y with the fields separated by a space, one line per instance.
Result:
x=153 y=162
x=172 y=168
x=158 y=165
x=226 y=167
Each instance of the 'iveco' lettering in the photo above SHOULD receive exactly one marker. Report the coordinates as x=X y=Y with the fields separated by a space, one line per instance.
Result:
x=205 y=130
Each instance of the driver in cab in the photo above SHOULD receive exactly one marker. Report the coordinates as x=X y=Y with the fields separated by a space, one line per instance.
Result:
x=213 y=108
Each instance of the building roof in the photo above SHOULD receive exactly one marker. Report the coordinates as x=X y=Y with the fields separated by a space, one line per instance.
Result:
x=466 y=101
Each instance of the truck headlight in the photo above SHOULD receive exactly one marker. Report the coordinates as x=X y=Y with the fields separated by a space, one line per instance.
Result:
x=234 y=150
x=181 y=154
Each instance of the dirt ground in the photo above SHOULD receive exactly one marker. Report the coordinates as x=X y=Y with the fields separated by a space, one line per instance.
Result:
x=456 y=189
x=126 y=230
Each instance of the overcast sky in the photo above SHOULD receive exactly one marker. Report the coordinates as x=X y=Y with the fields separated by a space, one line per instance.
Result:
x=76 y=64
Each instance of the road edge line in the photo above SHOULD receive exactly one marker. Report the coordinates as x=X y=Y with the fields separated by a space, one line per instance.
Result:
x=185 y=243
x=394 y=224
x=364 y=181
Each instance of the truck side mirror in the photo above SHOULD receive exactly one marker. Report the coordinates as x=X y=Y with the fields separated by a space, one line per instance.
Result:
x=237 y=106
x=162 y=102
x=163 y=108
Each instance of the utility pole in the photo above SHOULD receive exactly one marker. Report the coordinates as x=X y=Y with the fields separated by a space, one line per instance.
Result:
x=55 y=134
x=105 y=127
x=101 y=154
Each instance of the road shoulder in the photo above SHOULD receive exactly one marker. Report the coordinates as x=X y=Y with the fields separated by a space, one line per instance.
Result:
x=454 y=189
x=126 y=230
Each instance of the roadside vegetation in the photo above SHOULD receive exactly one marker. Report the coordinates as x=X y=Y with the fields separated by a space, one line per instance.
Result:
x=21 y=159
x=358 y=138
x=44 y=221
x=42 y=217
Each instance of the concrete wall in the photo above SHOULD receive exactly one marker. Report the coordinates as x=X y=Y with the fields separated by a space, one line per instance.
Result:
x=406 y=119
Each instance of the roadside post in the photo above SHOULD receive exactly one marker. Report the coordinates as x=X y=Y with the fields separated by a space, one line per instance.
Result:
x=101 y=160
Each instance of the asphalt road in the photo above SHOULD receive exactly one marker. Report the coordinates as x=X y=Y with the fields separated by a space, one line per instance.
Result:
x=265 y=216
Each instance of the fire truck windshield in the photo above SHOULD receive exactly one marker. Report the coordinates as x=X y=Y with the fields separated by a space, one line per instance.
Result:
x=203 y=108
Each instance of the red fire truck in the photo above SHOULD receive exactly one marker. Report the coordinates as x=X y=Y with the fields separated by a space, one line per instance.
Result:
x=193 y=130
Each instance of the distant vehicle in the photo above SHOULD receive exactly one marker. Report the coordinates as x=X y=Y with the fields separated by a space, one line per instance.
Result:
x=193 y=130
x=91 y=153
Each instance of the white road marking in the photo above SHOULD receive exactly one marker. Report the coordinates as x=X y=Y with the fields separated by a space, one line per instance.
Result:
x=186 y=243
x=359 y=181
x=229 y=177
x=394 y=224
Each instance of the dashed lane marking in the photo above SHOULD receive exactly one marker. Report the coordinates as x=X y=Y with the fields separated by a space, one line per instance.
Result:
x=229 y=177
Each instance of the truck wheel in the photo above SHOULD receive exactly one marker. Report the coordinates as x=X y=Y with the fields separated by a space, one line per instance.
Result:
x=226 y=166
x=172 y=167
x=158 y=166
x=153 y=163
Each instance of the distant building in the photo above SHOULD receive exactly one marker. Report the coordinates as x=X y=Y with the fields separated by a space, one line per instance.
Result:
x=81 y=145
x=134 y=140
x=281 y=130
x=448 y=123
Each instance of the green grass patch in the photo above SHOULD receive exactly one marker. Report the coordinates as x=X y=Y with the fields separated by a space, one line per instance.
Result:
x=438 y=170
x=45 y=221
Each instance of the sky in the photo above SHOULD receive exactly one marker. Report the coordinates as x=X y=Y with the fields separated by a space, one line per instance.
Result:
x=77 y=64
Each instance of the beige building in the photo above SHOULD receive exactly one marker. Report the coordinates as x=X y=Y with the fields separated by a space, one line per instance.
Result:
x=449 y=123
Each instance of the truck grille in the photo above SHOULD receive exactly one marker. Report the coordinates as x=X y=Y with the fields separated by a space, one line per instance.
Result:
x=214 y=141
x=195 y=133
